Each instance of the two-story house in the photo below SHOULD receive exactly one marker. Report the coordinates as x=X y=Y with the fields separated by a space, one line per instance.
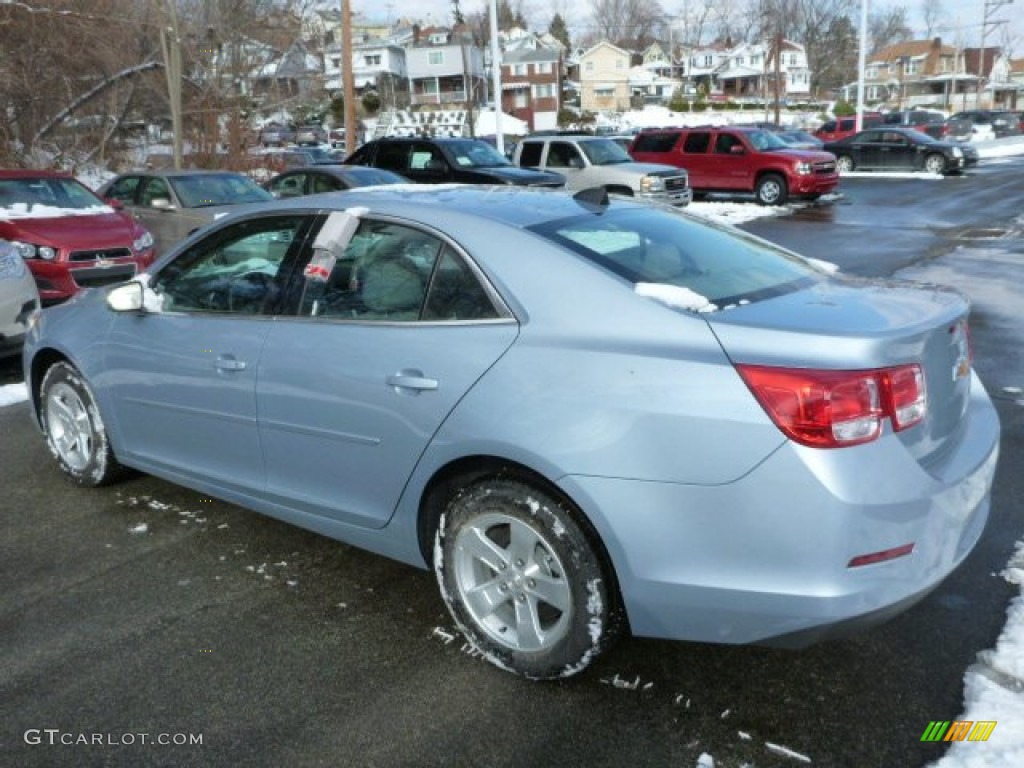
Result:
x=376 y=65
x=531 y=84
x=915 y=73
x=749 y=72
x=445 y=70
x=604 y=78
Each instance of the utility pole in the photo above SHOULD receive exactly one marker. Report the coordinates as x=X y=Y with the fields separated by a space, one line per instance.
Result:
x=990 y=6
x=170 y=44
x=347 y=77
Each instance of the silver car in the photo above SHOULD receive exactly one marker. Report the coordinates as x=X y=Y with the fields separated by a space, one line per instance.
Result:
x=19 y=298
x=173 y=204
x=584 y=415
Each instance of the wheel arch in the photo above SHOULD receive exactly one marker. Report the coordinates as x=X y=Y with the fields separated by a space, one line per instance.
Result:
x=43 y=360
x=460 y=473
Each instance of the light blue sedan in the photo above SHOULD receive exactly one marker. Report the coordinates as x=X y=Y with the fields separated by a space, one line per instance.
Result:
x=586 y=415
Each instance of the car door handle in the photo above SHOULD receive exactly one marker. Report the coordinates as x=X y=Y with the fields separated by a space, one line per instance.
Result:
x=414 y=380
x=229 y=363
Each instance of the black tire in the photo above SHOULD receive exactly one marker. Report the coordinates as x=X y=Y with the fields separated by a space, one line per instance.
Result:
x=845 y=164
x=74 y=429
x=547 y=608
x=771 y=190
x=935 y=163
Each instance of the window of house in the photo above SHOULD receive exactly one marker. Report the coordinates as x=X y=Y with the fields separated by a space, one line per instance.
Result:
x=435 y=58
x=589 y=66
x=543 y=67
x=519 y=70
x=545 y=91
x=372 y=60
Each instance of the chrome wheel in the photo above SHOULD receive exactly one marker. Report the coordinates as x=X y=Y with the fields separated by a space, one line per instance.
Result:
x=74 y=429
x=523 y=580
x=69 y=427
x=771 y=190
x=844 y=163
x=935 y=164
x=512 y=582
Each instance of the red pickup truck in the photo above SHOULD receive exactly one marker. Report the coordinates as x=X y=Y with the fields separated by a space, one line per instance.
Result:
x=740 y=159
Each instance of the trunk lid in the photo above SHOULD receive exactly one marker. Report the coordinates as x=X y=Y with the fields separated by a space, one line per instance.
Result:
x=849 y=324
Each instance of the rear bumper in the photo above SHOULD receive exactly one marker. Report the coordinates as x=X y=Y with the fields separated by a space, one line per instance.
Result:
x=766 y=559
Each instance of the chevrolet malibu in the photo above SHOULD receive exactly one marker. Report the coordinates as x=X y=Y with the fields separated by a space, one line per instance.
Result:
x=586 y=415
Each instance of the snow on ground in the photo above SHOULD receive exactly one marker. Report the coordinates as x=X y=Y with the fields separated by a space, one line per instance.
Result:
x=13 y=393
x=994 y=684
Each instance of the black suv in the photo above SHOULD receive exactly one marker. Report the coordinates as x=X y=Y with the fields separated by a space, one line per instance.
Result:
x=444 y=160
x=1003 y=122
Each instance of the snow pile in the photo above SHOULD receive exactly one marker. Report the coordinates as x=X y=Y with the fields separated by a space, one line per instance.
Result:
x=994 y=690
x=13 y=393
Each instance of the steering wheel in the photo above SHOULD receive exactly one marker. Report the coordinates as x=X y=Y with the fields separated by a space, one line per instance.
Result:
x=247 y=292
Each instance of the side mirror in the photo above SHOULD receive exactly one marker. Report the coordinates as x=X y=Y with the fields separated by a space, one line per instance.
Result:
x=127 y=298
x=161 y=204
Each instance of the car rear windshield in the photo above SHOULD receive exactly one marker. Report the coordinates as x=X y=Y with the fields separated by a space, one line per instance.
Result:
x=661 y=246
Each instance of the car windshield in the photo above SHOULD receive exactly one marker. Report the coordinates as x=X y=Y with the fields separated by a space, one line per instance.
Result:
x=26 y=196
x=205 y=190
x=765 y=141
x=605 y=152
x=475 y=154
x=655 y=245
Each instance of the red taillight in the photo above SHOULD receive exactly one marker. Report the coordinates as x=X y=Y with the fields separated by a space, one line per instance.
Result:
x=881 y=557
x=833 y=409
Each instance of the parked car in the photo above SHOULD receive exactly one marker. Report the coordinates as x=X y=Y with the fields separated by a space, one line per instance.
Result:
x=19 y=298
x=276 y=135
x=599 y=161
x=1000 y=123
x=714 y=440
x=739 y=159
x=901 y=149
x=328 y=178
x=446 y=160
x=68 y=236
x=841 y=127
x=310 y=134
x=174 y=204
x=923 y=120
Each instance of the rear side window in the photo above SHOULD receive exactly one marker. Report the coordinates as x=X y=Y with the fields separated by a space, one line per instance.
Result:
x=697 y=143
x=655 y=142
x=648 y=245
x=529 y=154
x=392 y=157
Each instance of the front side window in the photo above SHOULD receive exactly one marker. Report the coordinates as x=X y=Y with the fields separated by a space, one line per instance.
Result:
x=155 y=188
x=235 y=271
x=288 y=186
x=652 y=245
x=123 y=189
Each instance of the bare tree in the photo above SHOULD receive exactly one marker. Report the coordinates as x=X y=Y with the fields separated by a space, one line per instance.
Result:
x=887 y=26
x=628 y=20
x=931 y=14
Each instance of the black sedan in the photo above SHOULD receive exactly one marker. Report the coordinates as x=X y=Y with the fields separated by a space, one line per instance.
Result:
x=900 y=149
x=310 y=180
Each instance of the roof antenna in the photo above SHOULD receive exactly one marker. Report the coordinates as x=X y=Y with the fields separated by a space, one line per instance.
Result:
x=592 y=197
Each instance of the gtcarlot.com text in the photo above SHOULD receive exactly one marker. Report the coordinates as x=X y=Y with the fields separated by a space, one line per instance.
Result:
x=56 y=737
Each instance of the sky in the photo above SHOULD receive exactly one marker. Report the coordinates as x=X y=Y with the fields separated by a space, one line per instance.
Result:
x=958 y=18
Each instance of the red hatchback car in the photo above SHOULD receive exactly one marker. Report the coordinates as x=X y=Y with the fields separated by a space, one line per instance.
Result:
x=69 y=237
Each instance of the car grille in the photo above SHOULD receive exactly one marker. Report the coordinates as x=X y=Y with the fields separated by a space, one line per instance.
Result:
x=675 y=183
x=104 y=253
x=825 y=168
x=90 y=277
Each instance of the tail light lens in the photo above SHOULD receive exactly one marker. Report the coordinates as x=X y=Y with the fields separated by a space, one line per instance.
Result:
x=833 y=409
